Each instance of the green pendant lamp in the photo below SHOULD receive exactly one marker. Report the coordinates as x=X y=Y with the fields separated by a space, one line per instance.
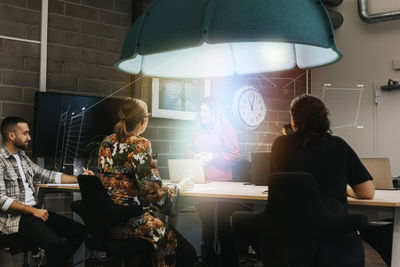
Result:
x=212 y=38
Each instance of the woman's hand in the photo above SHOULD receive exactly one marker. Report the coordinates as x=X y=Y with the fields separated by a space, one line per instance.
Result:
x=204 y=157
x=87 y=172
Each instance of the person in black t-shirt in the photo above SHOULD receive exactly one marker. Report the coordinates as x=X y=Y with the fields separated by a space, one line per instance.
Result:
x=338 y=170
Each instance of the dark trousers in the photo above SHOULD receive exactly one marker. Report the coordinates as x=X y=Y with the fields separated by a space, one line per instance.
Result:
x=246 y=228
x=185 y=255
x=380 y=238
x=185 y=252
x=226 y=250
x=49 y=236
x=342 y=251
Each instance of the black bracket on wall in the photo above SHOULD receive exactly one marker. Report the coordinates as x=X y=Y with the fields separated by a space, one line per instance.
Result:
x=335 y=16
x=391 y=85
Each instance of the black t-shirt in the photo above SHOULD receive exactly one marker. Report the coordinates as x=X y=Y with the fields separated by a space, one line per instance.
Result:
x=332 y=161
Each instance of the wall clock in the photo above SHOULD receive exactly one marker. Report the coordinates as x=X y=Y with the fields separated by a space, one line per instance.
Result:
x=249 y=107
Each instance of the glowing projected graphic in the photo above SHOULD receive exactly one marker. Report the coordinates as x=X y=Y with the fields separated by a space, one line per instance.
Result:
x=343 y=105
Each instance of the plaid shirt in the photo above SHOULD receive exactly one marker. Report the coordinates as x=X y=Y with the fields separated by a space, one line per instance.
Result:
x=11 y=185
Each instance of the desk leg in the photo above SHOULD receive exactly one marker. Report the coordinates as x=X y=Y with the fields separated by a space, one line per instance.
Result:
x=396 y=238
x=40 y=196
x=80 y=253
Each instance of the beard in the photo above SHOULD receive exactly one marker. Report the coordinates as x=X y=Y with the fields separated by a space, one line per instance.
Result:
x=20 y=145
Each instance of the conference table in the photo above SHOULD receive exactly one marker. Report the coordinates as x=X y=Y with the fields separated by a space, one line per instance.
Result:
x=385 y=202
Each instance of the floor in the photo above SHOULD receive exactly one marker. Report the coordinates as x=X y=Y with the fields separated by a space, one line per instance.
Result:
x=372 y=259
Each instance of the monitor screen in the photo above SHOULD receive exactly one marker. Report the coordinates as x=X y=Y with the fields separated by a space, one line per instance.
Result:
x=65 y=124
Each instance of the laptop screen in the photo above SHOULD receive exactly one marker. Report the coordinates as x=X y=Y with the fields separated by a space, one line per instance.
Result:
x=379 y=168
x=260 y=167
x=186 y=168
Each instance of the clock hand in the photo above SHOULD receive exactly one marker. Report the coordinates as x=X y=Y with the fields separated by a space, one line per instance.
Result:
x=251 y=103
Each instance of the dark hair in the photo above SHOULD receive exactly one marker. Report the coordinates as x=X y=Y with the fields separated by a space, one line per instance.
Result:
x=288 y=129
x=217 y=117
x=310 y=117
x=131 y=112
x=9 y=124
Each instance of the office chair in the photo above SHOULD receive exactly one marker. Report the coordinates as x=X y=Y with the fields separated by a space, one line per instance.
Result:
x=100 y=214
x=295 y=221
x=15 y=244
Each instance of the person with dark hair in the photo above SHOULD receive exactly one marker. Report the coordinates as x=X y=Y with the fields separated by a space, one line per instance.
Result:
x=287 y=129
x=338 y=171
x=215 y=142
x=58 y=235
x=129 y=174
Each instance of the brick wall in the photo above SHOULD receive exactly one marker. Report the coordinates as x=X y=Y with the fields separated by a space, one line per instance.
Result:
x=169 y=137
x=84 y=41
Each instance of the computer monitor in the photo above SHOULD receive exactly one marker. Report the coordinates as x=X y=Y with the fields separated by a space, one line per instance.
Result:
x=64 y=124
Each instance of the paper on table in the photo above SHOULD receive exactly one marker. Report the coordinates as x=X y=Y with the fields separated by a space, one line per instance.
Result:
x=203 y=189
x=62 y=185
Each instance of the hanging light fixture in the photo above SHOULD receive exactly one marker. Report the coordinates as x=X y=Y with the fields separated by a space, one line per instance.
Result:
x=211 y=38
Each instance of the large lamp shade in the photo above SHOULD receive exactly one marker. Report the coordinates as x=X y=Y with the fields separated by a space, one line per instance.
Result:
x=211 y=38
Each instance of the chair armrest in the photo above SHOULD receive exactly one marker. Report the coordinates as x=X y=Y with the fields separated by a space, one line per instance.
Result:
x=346 y=224
x=115 y=214
x=119 y=213
x=354 y=222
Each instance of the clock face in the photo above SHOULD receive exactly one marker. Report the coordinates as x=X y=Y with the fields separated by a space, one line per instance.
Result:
x=249 y=107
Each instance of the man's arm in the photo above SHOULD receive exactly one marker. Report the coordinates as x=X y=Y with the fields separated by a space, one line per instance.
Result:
x=42 y=214
x=10 y=205
x=19 y=208
x=365 y=190
x=70 y=179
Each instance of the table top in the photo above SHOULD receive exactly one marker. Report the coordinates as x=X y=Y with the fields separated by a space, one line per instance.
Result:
x=59 y=186
x=238 y=190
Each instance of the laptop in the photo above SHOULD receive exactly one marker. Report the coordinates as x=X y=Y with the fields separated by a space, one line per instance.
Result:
x=379 y=168
x=186 y=168
x=260 y=167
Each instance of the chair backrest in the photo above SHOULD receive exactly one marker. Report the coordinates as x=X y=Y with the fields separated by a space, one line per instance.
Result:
x=96 y=201
x=99 y=212
x=291 y=216
x=296 y=192
x=296 y=219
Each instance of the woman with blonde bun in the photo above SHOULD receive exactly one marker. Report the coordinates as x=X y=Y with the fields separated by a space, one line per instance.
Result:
x=130 y=176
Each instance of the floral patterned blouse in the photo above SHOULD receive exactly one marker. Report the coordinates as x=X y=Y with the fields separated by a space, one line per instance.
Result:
x=130 y=176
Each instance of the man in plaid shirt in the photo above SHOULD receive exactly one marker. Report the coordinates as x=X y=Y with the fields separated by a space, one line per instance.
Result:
x=19 y=212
